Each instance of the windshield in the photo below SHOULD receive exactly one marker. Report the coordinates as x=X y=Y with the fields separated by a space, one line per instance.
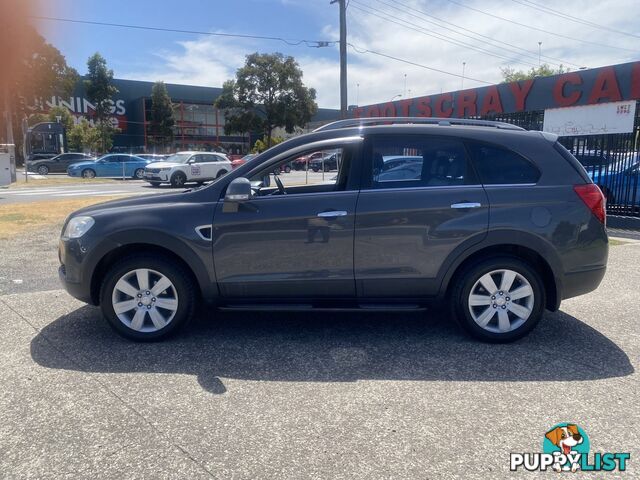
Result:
x=176 y=158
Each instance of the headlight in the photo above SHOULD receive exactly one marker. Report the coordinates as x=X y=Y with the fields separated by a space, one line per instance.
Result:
x=78 y=226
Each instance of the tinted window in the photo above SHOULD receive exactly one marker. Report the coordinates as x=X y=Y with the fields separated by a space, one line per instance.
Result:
x=497 y=165
x=418 y=161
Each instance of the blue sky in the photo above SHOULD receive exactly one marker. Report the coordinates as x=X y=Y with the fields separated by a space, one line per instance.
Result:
x=396 y=28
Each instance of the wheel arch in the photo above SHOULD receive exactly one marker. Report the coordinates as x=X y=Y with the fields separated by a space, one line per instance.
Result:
x=179 y=253
x=531 y=250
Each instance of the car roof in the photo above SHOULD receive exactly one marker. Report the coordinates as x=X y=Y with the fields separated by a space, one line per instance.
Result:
x=192 y=152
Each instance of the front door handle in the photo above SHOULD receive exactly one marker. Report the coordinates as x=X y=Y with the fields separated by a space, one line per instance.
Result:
x=333 y=213
x=466 y=205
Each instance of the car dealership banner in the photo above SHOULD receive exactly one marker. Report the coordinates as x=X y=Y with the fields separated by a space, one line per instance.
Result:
x=614 y=83
x=605 y=118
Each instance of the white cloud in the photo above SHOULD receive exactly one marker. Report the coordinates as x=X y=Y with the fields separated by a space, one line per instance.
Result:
x=211 y=60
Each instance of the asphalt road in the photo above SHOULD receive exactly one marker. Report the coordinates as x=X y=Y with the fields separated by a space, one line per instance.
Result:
x=38 y=193
x=313 y=395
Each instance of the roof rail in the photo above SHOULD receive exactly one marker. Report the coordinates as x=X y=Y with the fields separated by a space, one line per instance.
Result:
x=446 y=122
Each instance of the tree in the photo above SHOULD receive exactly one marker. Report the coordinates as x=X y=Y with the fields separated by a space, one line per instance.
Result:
x=100 y=89
x=66 y=118
x=84 y=137
x=261 y=145
x=32 y=70
x=511 y=75
x=267 y=92
x=162 y=121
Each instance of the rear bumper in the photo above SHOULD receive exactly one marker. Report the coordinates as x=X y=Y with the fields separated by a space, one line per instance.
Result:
x=579 y=283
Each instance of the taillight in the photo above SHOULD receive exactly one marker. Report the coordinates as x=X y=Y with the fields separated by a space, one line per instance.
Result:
x=593 y=198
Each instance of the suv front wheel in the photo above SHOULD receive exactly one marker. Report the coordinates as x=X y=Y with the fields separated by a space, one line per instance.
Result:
x=147 y=297
x=498 y=300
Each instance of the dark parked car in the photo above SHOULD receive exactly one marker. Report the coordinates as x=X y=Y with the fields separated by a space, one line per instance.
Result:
x=57 y=164
x=327 y=163
x=499 y=224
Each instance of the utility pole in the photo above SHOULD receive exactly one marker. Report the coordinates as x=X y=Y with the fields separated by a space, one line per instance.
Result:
x=343 y=56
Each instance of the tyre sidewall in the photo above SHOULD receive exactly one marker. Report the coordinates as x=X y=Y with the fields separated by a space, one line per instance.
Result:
x=470 y=276
x=181 y=281
x=177 y=175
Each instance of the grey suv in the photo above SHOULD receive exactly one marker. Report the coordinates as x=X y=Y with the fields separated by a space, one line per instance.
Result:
x=497 y=222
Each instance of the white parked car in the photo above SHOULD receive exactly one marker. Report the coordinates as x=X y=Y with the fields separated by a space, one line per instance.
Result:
x=183 y=167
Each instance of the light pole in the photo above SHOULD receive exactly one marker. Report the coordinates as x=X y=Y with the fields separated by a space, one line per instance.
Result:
x=539 y=53
x=357 y=93
x=405 y=85
x=464 y=64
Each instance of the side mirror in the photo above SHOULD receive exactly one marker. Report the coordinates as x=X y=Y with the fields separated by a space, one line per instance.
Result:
x=239 y=190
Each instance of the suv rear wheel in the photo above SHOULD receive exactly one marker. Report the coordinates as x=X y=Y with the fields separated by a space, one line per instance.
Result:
x=498 y=300
x=147 y=297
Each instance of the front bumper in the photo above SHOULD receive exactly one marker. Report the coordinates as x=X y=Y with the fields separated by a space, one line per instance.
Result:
x=73 y=173
x=156 y=177
x=79 y=258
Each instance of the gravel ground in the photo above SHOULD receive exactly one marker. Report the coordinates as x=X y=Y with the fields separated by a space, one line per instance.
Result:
x=313 y=395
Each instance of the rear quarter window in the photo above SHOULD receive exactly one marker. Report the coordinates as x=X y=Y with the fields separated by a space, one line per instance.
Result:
x=498 y=165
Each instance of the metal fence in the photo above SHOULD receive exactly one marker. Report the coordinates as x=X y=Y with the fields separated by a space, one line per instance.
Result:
x=612 y=160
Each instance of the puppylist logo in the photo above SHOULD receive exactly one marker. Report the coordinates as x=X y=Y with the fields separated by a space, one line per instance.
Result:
x=565 y=448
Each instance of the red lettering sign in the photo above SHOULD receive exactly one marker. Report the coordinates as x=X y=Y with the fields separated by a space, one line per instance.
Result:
x=491 y=101
x=520 y=93
x=405 y=107
x=605 y=86
x=558 y=90
x=467 y=103
x=424 y=107
x=440 y=109
x=389 y=110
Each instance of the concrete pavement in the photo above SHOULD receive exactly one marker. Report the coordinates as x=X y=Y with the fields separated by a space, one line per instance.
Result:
x=313 y=395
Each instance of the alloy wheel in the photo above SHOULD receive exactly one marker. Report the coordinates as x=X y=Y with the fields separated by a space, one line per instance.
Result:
x=501 y=301
x=144 y=300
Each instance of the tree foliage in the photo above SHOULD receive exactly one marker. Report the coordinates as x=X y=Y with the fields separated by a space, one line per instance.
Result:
x=512 y=75
x=267 y=92
x=162 y=121
x=262 y=144
x=99 y=87
x=66 y=118
x=83 y=137
x=32 y=70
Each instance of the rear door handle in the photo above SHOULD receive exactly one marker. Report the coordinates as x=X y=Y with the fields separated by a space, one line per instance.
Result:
x=333 y=213
x=466 y=205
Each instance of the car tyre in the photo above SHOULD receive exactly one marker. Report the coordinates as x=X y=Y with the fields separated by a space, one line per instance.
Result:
x=147 y=321
x=481 y=299
x=221 y=173
x=315 y=169
x=43 y=170
x=154 y=184
x=178 y=179
x=138 y=174
x=88 y=173
x=287 y=169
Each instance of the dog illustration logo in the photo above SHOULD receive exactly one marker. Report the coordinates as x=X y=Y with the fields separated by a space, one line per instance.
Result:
x=570 y=441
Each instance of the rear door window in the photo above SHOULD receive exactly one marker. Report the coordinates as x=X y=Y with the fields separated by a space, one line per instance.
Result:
x=500 y=166
x=402 y=161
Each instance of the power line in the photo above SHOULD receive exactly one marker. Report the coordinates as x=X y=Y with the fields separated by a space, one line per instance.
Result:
x=406 y=24
x=309 y=43
x=529 y=53
x=540 y=29
x=362 y=50
x=572 y=18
